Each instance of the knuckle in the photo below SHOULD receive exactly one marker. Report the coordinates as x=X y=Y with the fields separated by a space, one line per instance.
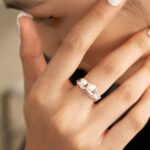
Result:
x=76 y=142
x=128 y=93
x=34 y=99
x=32 y=102
x=35 y=94
x=72 y=42
x=111 y=67
x=142 y=43
x=59 y=121
x=28 y=53
x=79 y=142
x=136 y=121
x=100 y=13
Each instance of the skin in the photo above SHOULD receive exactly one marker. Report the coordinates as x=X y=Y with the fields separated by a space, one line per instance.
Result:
x=132 y=18
x=59 y=115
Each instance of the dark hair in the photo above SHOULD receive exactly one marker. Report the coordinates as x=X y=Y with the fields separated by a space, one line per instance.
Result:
x=21 y=4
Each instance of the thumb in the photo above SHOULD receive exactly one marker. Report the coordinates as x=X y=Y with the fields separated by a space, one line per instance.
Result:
x=31 y=55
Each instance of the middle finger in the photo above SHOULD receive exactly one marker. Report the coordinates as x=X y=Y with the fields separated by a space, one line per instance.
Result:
x=79 y=40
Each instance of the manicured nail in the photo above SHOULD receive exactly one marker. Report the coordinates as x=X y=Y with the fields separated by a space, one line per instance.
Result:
x=148 y=33
x=114 y=2
x=22 y=14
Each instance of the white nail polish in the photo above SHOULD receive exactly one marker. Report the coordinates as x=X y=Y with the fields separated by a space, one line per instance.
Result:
x=22 y=14
x=114 y=2
x=148 y=33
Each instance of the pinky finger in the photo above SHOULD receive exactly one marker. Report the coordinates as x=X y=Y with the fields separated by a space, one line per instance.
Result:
x=125 y=130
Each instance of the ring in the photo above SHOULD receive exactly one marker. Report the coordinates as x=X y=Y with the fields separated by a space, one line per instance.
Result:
x=89 y=89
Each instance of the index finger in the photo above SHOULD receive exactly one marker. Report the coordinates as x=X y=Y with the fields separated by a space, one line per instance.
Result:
x=80 y=38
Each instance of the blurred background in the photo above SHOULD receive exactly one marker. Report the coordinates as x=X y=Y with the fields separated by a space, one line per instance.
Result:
x=12 y=127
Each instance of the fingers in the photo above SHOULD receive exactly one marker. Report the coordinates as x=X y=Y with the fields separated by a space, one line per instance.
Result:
x=117 y=103
x=124 y=131
x=30 y=52
x=79 y=40
x=116 y=63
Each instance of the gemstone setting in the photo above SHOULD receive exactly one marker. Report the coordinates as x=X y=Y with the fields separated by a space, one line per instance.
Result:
x=82 y=83
x=89 y=88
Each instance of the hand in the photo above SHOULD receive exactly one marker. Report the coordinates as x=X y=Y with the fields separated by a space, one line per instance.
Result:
x=59 y=116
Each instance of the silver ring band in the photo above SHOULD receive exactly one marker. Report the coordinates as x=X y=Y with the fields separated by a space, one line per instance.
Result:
x=89 y=88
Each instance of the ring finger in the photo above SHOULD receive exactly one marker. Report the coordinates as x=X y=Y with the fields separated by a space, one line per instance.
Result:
x=117 y=103
x=116 y=63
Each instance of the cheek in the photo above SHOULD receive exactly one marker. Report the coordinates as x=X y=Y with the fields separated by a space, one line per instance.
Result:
x=53 y=36
x=69 y=13
x=49 y=37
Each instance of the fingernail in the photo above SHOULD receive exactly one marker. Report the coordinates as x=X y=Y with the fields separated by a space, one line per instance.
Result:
x=148 y=33
x=114 y=2
x=22 y=14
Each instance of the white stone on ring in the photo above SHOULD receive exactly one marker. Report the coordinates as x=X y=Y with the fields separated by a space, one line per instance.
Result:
x=82 y=83
x=89 y=88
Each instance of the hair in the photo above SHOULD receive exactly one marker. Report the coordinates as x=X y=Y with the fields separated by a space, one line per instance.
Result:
x=21 y=4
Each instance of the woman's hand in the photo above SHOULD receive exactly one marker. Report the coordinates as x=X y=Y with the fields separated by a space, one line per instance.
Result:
x=59 y=116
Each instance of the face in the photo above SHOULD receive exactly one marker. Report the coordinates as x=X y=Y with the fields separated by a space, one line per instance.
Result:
x=132 y=18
